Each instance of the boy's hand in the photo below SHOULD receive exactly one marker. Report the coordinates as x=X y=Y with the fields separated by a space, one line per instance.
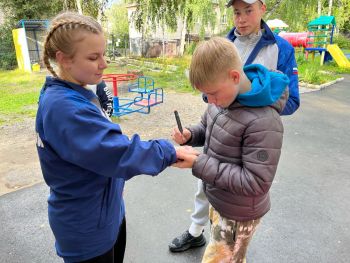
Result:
x=181 y=138
x=186 y=157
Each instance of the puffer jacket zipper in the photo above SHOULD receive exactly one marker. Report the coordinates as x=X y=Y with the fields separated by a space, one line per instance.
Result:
x=222 y=111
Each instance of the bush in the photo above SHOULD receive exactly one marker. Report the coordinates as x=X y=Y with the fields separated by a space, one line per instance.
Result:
x=190 y=48
x=7 y=49
x=342 y=41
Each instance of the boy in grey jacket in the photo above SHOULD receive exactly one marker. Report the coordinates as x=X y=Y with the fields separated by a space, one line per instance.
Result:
x=242 y=133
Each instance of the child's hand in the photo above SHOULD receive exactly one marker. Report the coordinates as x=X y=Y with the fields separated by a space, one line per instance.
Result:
x=186 y=156
x=181 y=138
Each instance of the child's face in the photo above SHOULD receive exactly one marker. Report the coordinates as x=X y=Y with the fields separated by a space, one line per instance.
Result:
x=88 y=62
x=222 y=92
x=247 y=17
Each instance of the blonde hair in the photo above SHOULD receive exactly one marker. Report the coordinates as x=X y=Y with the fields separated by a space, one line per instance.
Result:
x=65 y=30
x=211 y=59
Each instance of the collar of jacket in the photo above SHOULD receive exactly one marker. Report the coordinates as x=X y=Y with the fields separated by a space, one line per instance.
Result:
x=266 y=39
x=51 y=81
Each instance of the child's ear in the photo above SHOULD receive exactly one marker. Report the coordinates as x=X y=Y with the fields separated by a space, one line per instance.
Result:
x=235 y=76
x=63 y=60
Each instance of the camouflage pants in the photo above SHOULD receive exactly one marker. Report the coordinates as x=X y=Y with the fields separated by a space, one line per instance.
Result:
x=229 y=239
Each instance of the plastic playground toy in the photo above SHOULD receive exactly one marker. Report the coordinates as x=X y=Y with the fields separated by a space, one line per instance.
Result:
x=146 y=95
x=323 y=29
x=318 y=39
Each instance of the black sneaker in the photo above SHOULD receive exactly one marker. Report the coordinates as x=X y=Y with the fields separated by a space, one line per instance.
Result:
x=186 y=241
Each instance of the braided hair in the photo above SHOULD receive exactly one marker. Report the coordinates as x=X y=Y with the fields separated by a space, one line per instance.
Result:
x=64 y=32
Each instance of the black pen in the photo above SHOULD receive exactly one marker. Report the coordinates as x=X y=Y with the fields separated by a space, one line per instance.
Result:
x=177 y=117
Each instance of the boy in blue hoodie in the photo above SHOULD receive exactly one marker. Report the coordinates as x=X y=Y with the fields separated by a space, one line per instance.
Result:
x=242 y=133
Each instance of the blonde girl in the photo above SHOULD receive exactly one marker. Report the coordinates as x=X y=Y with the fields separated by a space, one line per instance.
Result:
x=85 y=158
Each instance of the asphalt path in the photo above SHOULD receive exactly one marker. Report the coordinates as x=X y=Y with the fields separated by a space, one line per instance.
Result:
x=309 y=220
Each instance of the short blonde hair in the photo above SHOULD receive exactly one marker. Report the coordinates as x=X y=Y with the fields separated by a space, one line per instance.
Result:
x=65 y=31
x=211 y=59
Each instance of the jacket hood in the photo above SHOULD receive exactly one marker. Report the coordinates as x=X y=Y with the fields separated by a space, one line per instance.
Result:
x=267 y=88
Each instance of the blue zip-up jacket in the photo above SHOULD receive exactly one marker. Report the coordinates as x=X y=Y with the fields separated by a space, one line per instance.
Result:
x=286 y=63
x=85 y=160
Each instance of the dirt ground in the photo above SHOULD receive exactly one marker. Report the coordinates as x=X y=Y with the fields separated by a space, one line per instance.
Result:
x=19 y=165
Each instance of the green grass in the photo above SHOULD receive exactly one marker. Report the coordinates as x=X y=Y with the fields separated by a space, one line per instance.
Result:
x=312 y=72
x=19 y=93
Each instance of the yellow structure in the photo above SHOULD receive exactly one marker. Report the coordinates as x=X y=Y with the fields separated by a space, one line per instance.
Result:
x=28 y=39
x=338 y=56
x=21 y=46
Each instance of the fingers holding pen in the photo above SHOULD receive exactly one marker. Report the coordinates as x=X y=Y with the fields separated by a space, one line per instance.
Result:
x=181 y=138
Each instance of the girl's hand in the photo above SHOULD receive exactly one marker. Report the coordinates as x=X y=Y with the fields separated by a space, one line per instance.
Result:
x=186 y=156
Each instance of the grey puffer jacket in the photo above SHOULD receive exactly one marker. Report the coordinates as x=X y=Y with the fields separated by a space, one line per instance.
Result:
x=242 y=147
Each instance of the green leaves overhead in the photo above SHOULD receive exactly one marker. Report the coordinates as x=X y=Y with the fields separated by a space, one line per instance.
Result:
x=170 y=11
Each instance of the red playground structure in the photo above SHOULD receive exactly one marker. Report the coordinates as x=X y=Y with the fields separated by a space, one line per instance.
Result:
x=302 y=39
x=147 y=96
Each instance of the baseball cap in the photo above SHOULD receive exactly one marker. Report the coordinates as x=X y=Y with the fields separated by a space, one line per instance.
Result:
x=229 y=3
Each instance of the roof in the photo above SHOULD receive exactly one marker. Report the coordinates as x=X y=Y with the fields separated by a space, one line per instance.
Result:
x=276 y=23
x=33 y=24
x=322 y=20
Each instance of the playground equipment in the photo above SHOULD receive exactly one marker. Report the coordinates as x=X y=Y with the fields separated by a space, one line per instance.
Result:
x=302 y=39
x=338 y=56
x=27 y=38
x=147 y=96
x=322 y=29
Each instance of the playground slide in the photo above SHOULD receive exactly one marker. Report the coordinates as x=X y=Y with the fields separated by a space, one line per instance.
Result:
x=338 y=56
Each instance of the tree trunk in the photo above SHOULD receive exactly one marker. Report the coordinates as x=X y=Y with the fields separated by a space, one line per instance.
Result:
x=319 y=7
x=65 y=5
x=330 y=7
x=163 y=44
x=80 y=10
x=183 y=37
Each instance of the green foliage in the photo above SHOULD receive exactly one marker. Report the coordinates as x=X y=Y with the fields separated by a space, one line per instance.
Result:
x=7 y=50
x=342 y=41
x=190 y=48
x=118 y=18
x=305 y=11
x=193 y=12
x=34 y=9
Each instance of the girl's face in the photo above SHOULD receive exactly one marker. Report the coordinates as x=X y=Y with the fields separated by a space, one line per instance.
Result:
x=88 y=62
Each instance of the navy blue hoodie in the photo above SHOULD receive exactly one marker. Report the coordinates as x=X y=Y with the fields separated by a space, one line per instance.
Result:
x=85 y=160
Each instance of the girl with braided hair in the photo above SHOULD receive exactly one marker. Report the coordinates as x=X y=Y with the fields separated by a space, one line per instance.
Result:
x=85 y=158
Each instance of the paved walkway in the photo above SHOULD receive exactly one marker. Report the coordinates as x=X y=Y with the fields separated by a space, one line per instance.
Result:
x=309 y=220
